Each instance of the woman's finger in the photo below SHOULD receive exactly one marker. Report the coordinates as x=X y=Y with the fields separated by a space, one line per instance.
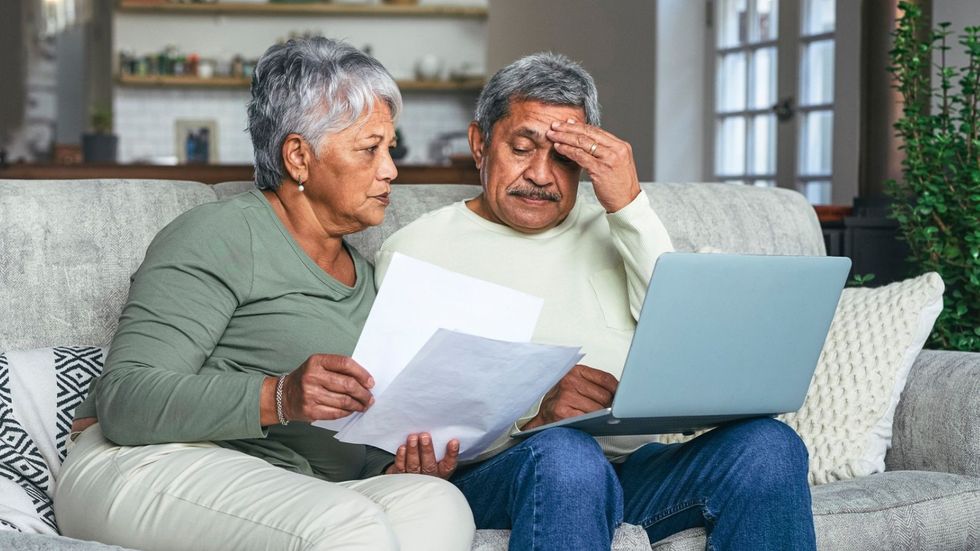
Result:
x=345 y=385
x=412 y=457
x=427 y=455
x=400 y=459
x=346 y=366
x=448 y=464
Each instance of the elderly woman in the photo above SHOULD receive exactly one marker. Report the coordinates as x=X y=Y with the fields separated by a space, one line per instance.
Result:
x=237 y=334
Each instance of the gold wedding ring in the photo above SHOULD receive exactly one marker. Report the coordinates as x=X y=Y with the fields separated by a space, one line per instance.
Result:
x=593 y=148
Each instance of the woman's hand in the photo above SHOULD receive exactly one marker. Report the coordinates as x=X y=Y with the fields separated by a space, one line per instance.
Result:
x=417 y=456
x=325 y=387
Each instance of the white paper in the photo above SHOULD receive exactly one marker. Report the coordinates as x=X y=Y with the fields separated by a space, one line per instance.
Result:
x=416 y=299
x=461 y=386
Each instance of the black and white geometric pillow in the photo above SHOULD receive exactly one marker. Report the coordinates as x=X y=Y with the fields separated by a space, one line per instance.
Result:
x=39 y=391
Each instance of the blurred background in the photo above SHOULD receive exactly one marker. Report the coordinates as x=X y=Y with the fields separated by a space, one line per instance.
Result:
x=787 y=93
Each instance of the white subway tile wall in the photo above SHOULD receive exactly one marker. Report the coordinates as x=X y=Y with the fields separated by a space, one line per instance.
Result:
x=145 y=120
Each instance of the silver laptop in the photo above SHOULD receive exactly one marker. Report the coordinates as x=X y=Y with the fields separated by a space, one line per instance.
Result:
x=721 y=337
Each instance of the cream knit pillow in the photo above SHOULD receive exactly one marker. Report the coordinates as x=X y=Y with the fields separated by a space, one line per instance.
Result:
x=846 y=419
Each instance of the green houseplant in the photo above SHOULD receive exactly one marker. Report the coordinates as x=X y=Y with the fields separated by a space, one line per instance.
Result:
x=937 y=202
x=100 y=145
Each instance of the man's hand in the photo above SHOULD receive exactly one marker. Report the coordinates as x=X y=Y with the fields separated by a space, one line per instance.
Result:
x=581 y=390
x=607 y=160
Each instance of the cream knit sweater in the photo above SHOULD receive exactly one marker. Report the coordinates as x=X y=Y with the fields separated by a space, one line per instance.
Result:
x=591 y=270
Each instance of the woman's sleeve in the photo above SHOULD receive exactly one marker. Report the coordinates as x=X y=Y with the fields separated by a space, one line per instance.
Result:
x=197 y=271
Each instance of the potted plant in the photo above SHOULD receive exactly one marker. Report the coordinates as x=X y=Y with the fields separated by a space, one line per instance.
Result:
x=99 y=145
x=937 y=202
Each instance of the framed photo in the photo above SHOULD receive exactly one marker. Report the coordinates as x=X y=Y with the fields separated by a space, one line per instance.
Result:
x=196 y=141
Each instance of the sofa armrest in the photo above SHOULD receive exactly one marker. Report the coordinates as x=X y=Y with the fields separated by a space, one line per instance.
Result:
x=937 y=423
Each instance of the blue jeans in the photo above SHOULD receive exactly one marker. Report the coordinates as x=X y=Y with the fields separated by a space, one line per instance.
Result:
x=745 y=483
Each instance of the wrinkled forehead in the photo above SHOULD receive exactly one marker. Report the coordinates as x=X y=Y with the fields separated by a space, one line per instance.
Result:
x=532 y=119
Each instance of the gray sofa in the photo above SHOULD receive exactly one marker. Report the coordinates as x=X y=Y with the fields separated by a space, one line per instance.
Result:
x=67 y=249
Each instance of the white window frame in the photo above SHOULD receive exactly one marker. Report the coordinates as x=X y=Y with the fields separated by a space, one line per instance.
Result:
x=846 y=142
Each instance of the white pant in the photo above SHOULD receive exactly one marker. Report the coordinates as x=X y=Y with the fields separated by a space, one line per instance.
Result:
x=203 y=497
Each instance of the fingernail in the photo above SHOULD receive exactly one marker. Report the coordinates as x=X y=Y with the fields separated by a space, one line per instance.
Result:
x=413 y=441
x=370 y=382
x=556 y=124
x=425 y=440
x=371 y=401
x=571 y=121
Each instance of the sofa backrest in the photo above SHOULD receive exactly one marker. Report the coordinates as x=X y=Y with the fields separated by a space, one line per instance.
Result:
x=68 y=248
x=736 y=219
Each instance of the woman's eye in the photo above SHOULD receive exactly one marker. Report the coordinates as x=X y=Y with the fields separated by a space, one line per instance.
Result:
x=520 y=151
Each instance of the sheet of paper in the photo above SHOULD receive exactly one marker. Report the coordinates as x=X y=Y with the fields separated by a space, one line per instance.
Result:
x=461 y=386
x=416 y=299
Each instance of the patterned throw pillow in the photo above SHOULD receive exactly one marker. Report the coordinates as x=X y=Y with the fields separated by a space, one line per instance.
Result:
x=39 y=391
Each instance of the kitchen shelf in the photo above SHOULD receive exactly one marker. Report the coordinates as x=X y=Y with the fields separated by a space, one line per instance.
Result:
x=173 y=81
x=314 y=8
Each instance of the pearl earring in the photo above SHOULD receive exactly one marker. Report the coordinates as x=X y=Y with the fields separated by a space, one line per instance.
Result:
x=301 y=187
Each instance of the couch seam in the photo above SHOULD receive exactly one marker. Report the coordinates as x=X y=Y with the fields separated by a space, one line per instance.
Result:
x=892 y=507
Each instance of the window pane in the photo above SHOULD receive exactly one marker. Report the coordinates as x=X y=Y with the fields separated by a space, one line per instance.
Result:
x=764 y=183
x=818 y=17
x=764 y=22
x=817 y=192
x=731 y=82
x=733 y=19
x=817 y=75
x=815 y=143
x=763 y=78
x=763 y=145
x=731 y=146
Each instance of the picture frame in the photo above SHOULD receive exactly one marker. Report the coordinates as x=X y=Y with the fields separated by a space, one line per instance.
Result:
x=196 y=141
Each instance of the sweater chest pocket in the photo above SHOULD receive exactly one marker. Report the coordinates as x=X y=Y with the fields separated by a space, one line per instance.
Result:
x=610 y=291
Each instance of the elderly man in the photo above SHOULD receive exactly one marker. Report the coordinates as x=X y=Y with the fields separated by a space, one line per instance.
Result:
x=536 y=129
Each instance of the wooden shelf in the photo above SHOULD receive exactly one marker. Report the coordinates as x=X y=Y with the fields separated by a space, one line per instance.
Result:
x=213 y=174
x=312 y=8
x=173 y=81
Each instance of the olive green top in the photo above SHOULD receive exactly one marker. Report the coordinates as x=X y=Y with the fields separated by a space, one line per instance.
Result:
x=225 y=297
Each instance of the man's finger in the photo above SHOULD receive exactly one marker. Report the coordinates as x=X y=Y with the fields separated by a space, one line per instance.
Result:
x=592 y=391
x=400 y=458
x=581 y=157
x=601 y=378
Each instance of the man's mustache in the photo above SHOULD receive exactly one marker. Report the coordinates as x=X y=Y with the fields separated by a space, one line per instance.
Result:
x=534 y=193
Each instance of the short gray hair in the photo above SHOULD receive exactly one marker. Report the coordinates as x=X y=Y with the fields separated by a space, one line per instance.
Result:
x=546 y=77
x=312 y=87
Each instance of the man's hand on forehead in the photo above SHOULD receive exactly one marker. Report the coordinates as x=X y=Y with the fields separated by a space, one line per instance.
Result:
x=607 y=160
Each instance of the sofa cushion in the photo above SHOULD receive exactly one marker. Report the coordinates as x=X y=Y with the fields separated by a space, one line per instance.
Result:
x=69 y=249
x=899 y=511
x=39 y=391
x=846 y=420
x=628 y=537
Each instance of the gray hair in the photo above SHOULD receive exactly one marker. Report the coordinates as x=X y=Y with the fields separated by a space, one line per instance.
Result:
x=546 y=77
x=312 y=87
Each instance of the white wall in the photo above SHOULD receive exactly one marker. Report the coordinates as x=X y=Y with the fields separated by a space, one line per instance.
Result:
x=680 y=81
x=145 y=118
x=961 y=14
x=614 y=40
